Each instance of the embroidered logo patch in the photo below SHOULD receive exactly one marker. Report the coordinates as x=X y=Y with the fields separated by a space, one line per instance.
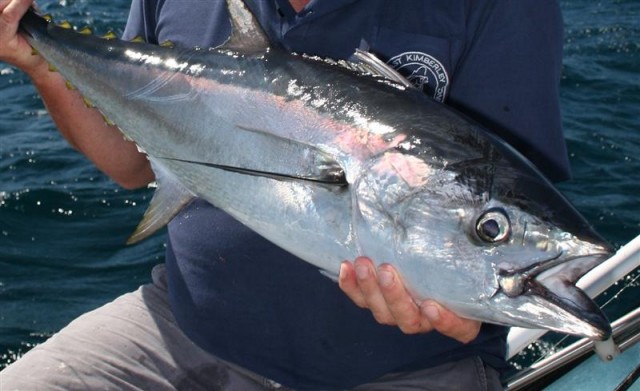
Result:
x=424 y=71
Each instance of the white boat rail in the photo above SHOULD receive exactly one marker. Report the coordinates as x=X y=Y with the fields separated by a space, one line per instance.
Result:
x=626 y=333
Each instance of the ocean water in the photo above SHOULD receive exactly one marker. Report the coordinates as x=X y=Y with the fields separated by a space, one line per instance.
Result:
x=63 y=224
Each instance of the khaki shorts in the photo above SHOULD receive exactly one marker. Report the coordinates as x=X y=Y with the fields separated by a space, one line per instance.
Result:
x=134 y=343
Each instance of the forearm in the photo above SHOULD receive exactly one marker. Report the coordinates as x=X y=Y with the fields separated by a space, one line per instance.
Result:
x=83 y=127
x=86 y=130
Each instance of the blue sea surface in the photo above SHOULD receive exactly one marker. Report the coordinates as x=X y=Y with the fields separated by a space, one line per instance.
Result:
x=63 y=225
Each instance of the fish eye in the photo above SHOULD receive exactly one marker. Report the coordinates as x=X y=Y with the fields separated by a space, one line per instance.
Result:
x=493 y=226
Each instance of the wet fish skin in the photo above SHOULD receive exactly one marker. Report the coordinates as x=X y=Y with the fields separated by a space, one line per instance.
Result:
x=330 y=164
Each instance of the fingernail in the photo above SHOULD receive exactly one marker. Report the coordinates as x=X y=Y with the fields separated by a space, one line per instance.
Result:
x=342 y=272
x=385 y=278
x=362 y=272
x=431 y=311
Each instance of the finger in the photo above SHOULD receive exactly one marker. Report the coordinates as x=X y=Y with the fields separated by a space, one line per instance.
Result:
x=400 y=304
x=368 y=284
x=449 y=324
x=11 y=14
x=13 y=10
x=349 y=285
x=3 y=4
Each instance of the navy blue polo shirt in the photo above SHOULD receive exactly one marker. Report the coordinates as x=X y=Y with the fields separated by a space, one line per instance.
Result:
x=249 y=302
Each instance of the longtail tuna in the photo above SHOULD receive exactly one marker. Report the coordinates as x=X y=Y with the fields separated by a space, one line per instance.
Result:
x=333 y=159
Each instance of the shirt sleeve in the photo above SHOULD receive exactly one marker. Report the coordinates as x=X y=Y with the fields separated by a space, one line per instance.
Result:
x=508 y=78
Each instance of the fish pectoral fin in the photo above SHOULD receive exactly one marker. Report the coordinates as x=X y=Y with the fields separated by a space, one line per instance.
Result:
x=247 y=36
x=328 y=176
x=167 y=201
x=261 y=153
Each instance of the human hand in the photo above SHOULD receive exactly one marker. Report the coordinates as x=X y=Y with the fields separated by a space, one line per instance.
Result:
x=14 y=48
x=383 y=292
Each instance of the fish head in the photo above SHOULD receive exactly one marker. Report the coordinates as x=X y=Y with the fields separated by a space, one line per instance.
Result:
x=490 y=239
x=536 y=262
x=538 y=245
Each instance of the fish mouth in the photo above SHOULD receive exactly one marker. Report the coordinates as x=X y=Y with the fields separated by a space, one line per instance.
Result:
x=551 y=283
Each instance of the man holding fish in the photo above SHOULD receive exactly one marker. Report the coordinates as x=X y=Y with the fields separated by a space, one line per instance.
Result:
x=230 y=310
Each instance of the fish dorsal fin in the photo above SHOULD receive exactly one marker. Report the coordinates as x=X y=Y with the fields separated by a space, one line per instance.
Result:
x=369 y=63
x=247 y=36
x=170 y=197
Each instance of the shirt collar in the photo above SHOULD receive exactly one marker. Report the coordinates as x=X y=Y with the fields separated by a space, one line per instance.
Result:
x=285 y=9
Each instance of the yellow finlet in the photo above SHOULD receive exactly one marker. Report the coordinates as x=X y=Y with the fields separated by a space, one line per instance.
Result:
x=110 y=35
x=168 y=44
x=65 y=24
x=138 y=39
x=86 y=30
x=88 y=103
x=107 y=121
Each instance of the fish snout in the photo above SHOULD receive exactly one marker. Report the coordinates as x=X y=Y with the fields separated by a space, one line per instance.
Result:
x=546 y=289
